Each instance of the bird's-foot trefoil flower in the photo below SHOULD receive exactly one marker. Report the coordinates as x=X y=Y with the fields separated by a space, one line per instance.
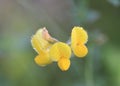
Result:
x=42 y=42
x=79 y=38
x=51 y=50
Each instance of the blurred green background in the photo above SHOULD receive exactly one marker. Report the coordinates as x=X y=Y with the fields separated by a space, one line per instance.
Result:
x=20 y=19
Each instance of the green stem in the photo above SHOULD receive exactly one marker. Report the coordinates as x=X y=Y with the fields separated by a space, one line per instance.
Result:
x=89 y=71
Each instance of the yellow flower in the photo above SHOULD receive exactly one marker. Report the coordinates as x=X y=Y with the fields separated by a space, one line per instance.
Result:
x=41 y=45
x=78 y=39
x=61 y=53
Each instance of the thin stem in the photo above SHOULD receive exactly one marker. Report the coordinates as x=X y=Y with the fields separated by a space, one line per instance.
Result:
x=89 y=80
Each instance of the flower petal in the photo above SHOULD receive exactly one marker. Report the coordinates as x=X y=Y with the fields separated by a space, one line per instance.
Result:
x=40 y=37
x=36 y=44
x=80 y=50
x=64 y=64
x=79 y=35
x=59 y=50
x=42 y=59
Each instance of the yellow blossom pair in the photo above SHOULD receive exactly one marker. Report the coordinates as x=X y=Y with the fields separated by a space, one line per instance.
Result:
x=51 y=50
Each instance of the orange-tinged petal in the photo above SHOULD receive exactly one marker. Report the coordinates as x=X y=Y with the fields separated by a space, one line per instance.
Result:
x=80 y=50
x=42 y=41
x=42 y=59
x=59 y=50
x=47 y=36
x=64 y=64
x=79 y=35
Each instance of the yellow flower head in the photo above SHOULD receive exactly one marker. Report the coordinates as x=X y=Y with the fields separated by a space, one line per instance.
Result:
x=51 y=50
x=78 y=39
